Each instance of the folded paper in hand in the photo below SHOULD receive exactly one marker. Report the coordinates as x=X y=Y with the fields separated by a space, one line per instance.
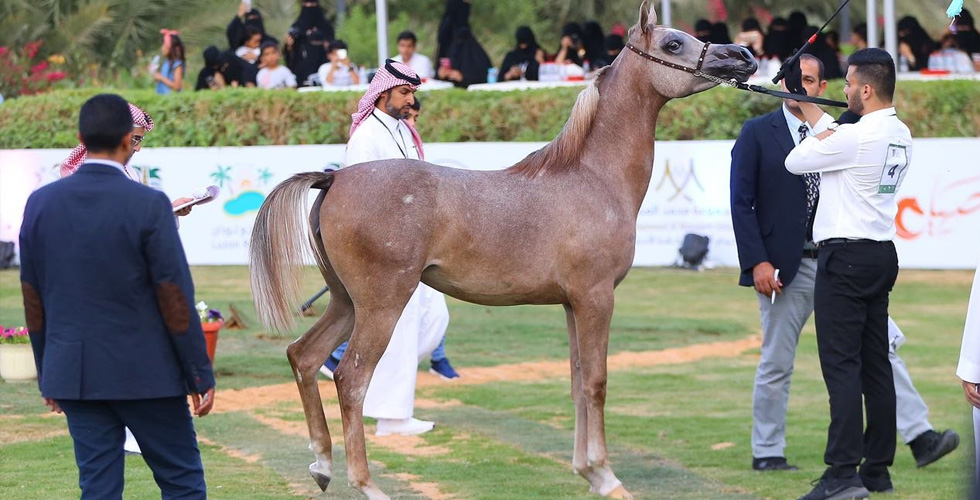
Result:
x=207 y=195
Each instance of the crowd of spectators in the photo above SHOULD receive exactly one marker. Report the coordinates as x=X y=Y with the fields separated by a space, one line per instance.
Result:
x=312 y=56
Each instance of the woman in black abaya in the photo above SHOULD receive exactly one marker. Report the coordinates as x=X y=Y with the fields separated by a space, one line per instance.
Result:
x=527 y=55
x=455 y=17
x=469 y=62
x=305 y=45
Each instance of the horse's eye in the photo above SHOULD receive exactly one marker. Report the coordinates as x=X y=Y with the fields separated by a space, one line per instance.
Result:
x=673 y=45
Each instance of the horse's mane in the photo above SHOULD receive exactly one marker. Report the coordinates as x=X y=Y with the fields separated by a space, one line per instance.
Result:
x=561 y=154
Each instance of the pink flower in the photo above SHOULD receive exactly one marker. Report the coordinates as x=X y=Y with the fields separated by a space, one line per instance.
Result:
x=39 y=67
x=4 y=51
x=55 y=76
x=32 y=47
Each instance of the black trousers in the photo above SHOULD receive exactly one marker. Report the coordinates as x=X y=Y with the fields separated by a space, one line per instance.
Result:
x=162 y=427
x=851 y=309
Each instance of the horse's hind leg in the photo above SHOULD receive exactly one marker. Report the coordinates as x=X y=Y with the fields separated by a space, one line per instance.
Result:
x=592 y=313
x=368 y=343
x=306 y=355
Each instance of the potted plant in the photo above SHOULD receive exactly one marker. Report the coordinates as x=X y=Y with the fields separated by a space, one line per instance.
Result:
x=16 y=356
x=211 y=322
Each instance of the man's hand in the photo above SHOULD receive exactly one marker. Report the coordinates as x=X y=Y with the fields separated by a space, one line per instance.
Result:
x=203 y=405
x=289 y=41
x=825 y=134
x=970 y=389
x=52 y=404
x=794 y=78
x=763 y=274
x=242 y=9
x=180 y=201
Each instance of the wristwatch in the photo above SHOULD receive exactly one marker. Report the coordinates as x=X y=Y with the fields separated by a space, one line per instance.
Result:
x=833 y=126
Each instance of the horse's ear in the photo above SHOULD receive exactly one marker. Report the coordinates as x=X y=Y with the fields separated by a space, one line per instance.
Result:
x=648 y=15
x=644 y=16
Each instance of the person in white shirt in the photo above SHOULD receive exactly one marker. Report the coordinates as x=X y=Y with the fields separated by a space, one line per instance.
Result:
x=273 y=75
x=249 y=49
x=969 y=367
x=419 y=63
x=379 y=131
x=338 y=71
x=862 y=166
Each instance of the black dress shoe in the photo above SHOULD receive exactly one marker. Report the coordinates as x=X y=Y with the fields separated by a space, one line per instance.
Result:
x=931 y=446
x=831 y=488
x=772 y=463
x=878 y=484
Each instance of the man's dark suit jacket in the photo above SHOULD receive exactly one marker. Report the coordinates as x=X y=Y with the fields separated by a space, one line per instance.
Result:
x=768 y=202
x=108 y=294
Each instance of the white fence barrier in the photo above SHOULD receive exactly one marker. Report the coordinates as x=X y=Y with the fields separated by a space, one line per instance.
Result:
x=938 y=221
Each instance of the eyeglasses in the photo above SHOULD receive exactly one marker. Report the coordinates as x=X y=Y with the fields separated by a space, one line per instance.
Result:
x=137 y=139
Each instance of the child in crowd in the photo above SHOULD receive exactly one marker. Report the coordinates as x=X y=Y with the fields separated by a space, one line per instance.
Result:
x=170 y=75
x=250 y=50
x=273 y=75
x=338 y=71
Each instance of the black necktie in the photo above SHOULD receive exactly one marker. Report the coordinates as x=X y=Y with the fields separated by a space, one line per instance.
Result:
x=812 y=182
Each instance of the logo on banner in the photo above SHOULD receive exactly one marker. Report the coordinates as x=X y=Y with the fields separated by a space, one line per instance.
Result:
x=947 y=205
x=682 y=182
x=242 y=187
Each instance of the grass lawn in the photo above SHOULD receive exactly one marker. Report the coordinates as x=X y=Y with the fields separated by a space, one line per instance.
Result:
x=676 y=431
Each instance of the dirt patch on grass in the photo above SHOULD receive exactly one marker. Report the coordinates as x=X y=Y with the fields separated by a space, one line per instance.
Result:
x=14 y=430
x=231 y=452
x=412 y=446
x=429 y=490
x=946 y=277
x=532 y=371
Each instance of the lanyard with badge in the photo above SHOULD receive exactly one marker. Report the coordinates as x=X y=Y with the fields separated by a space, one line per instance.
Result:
x=392 y=134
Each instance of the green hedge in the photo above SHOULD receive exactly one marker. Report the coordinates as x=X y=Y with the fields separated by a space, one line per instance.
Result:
x=246 y=117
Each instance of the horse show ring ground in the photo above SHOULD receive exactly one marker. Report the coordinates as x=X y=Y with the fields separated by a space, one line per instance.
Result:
x=683 y=351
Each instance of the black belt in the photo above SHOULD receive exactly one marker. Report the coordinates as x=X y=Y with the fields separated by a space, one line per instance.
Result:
x=845 y=241
x=810 y=253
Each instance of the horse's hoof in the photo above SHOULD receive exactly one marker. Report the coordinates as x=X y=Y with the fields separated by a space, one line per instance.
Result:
x=620 y=493
x=322 y=480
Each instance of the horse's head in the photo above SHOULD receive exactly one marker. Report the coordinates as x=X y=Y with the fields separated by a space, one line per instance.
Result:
x=674 y=61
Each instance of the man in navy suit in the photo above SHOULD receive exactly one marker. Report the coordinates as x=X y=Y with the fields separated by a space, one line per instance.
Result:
x=109 y=303
x=772 y=214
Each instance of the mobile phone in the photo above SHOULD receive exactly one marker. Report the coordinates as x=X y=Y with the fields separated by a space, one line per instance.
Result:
x=248 y=5
x=444 y=62
x=342 y=54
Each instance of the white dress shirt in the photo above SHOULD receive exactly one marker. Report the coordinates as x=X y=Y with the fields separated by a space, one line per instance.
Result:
x=862 y=166
x=422 y=65
x=381 y=137
x=969 y=367
x=794 y=125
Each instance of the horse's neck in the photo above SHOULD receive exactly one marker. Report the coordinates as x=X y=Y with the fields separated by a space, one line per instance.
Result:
x=620 y=144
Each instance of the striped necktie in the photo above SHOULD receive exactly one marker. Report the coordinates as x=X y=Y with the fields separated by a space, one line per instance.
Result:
x=812 y=182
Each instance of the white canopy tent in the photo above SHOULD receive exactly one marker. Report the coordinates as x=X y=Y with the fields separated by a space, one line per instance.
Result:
x=891 y=35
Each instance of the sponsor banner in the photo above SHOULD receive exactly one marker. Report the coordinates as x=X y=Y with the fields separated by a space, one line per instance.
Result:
x=938 y=221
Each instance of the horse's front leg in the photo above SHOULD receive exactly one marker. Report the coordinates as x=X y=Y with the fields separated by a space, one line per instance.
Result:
x=580 y=461
x=353 y=374
x=306 y=355
x=592 y=311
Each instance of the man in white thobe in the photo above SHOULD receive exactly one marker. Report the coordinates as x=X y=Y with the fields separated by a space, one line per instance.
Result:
x=380 y=132
x=969 y=368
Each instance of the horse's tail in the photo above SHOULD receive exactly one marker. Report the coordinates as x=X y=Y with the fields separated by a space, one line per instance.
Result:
x=280 y=247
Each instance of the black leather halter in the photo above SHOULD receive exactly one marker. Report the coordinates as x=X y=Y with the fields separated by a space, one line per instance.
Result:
x=696 y=71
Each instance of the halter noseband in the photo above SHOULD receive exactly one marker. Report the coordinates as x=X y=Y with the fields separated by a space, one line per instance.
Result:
x=696 y=71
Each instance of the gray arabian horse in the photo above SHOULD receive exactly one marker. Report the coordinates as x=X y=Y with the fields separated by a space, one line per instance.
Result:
x=557 y=228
